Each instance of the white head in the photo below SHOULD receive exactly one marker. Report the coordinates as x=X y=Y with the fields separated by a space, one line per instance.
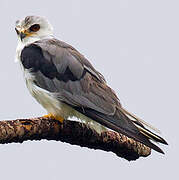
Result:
x=33 y=28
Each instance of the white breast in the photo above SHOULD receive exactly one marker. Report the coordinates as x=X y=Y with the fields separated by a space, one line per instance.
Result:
x=45 y=98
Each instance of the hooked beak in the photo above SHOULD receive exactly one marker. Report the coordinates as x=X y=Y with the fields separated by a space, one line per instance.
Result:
x=22 y=35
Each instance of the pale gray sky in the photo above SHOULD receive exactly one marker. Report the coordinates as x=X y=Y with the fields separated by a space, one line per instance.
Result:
x=135 y=45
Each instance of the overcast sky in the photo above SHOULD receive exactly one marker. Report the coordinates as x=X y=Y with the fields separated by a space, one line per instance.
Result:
x=135 y=45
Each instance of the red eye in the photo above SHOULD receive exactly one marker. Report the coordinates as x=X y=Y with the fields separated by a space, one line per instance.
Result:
x=34 y=28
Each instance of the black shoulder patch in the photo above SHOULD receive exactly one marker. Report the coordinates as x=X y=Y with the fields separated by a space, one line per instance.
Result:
x=32 y=58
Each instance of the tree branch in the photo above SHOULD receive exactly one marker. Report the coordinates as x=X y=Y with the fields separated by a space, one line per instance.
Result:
x=71 y=132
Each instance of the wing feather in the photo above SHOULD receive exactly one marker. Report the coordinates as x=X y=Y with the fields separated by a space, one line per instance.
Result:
x=62 y=70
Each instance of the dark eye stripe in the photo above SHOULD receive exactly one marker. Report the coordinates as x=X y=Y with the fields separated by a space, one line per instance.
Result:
x=34 y=28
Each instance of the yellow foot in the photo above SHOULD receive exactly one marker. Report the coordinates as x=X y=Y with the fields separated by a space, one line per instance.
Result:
x=58 y=118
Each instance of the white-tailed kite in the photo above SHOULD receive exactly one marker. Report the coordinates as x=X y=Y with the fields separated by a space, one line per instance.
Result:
x=66 y=84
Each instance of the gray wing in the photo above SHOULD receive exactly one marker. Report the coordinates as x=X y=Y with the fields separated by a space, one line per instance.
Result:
x=62 y=70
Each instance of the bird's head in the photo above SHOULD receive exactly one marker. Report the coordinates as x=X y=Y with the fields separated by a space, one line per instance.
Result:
x=33 y=27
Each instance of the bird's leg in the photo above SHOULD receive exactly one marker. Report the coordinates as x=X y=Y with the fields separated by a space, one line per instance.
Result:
x=51 y=116
x=59 y=118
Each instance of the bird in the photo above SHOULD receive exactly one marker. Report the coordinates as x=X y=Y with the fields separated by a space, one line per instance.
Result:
x=67 y=85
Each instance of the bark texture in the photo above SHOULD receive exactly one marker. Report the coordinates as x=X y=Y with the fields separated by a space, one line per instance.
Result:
x=71 y=132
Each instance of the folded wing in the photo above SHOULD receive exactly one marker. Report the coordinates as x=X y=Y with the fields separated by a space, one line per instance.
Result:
x=63 y=71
